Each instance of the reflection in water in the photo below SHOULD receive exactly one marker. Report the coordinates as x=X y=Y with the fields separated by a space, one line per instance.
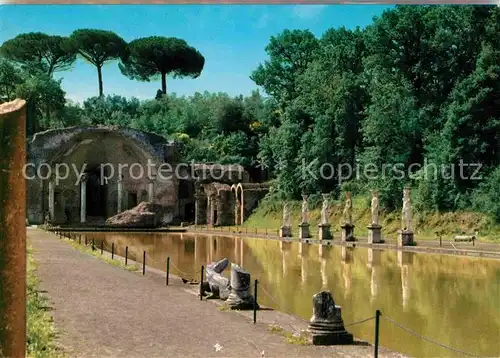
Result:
x=436 y=296
x=405 y=261
x=374 y=261
x=346 y=260
x=324 y=276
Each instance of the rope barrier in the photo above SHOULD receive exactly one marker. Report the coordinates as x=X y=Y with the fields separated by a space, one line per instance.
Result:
x=358 y=322
x=184 y=273
x=277 y=303
x=426 y=338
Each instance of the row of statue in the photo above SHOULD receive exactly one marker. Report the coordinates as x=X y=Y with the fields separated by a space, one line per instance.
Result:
x=406 y=215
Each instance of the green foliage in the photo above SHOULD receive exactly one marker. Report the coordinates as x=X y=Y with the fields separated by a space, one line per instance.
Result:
x=40 y=328
x=289 y=54
x=47 y=53
x=155 y=57
x=485 y=197
x=98 y=47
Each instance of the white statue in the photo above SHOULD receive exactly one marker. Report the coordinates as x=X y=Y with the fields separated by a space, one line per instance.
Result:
x=347 y=214
x=324 y=210
x=375 y=208
x=286 y=216
x=305 y=210
x=406 y=219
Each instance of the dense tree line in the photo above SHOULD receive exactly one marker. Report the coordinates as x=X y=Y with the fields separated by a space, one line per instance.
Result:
x=420 y=85
x=418 y=89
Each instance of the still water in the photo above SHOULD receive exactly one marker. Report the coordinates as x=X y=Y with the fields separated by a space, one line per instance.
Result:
x=453 y=300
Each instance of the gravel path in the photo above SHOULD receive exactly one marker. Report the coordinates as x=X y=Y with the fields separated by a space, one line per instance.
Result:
x=101 y=310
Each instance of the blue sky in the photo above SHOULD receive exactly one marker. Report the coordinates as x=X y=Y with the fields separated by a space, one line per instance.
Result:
x=232 y=38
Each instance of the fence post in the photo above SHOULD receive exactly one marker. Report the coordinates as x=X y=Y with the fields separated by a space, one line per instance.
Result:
x=168 y=271
x=377 y=324
x=255 y=302
x=144 y=263
x=79 y=239
x=126 y=255
x=85 y=240
x=102 y=246
x=201 y=282
x=112 y=251
x=93 y=245
x=440 y=241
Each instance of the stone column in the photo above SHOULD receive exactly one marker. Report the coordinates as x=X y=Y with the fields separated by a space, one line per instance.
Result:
x=13 y=229
x=83 y=198
x=151 y=189
x=220 y=208
x=52 y=185
x=119 y=185
x=200 y=209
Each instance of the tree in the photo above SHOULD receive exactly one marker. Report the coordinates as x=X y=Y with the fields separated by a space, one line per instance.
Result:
x=9 y=79
x=155 y=57
x=289 y=54
x=98 y=47
x=43 y=95
x=47 y=53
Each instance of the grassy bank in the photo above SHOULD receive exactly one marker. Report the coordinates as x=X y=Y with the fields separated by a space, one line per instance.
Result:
x=269 y=215
x=41 y=330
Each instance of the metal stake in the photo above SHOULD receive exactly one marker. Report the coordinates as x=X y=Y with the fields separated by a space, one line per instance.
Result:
x=377 y=324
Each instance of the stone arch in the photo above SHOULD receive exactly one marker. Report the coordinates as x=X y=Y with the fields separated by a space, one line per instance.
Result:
x=93 y=150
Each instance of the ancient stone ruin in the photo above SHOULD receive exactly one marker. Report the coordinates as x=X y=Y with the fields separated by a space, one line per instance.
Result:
x=112 y=170
x=144 y=215
x=216 y=285
x=240 y=297
x=326 y=325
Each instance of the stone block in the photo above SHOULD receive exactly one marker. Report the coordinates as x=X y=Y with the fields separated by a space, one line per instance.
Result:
x=405 y=238
x=347 y=232
x=374 y=234
x=304 y=232
x=324 y=232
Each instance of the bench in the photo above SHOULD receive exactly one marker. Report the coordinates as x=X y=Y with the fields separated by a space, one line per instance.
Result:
x=464 y=238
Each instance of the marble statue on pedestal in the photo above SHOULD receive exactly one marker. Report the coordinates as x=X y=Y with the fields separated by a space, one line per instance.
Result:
x=347 y=213
x=325 y=210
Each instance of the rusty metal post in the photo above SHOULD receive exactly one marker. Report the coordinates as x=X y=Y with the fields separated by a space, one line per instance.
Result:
x=13 y=229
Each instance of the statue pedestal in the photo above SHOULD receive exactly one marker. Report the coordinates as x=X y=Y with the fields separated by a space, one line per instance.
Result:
x=304 y=231
x=374 y=234
x=405 y=238
x=324 y=232
x=285 y=231
x=347 y=232
x=326 y=325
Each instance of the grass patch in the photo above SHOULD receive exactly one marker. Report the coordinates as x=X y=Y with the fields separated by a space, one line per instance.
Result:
x=301 y=338
x=97 y=253
x=224 y=308
x=41 y=331
x=274 y=328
